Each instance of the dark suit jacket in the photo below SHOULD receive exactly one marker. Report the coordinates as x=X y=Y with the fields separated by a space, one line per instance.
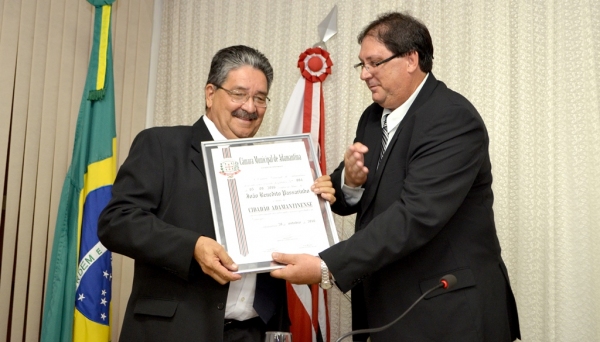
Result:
x=426 y=212
x=160 y=207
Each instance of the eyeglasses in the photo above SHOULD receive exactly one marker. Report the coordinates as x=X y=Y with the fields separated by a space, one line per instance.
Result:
x=370 y=67
x=260 y=101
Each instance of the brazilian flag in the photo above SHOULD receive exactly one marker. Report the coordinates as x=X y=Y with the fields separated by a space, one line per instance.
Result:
x=78 y=293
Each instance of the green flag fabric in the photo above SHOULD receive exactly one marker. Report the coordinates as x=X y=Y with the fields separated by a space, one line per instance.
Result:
x=78 y=292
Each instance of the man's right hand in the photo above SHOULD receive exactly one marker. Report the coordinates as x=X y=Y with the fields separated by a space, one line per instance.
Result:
x=215 y=261
x=355 y=171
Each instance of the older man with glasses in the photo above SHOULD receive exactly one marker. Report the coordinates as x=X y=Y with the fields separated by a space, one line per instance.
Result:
x=184 y=286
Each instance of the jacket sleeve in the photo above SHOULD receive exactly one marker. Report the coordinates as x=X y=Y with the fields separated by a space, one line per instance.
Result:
x=129 y=224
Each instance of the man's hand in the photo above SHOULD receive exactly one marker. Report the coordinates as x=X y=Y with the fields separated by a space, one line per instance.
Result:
x=215 y=261
x=324 y=187
x=299 y=269
x=354 y=162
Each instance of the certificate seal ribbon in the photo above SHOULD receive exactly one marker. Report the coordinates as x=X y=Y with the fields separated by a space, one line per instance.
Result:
x=229 y=167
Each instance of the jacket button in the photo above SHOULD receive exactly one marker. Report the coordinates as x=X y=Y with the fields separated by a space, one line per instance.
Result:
x=220 y=306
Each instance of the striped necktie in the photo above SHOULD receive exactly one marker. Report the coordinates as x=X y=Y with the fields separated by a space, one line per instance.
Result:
x=384 y=137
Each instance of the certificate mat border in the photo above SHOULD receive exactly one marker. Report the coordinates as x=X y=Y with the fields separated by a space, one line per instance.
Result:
x=208 y=146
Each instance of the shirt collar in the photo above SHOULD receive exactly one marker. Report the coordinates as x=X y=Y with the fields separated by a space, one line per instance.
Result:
x=217 y=136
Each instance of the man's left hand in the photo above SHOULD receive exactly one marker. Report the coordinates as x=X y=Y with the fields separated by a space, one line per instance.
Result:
x=299 y=269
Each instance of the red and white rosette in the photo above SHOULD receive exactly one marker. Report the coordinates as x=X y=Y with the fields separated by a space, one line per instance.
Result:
x=305 y=112
x=315 y=64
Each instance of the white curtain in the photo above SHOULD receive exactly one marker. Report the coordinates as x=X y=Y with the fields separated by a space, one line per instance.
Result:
x=530 y=67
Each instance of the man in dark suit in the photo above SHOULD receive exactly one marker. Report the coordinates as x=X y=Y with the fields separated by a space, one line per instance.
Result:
x=423 y=199
x=184 y=288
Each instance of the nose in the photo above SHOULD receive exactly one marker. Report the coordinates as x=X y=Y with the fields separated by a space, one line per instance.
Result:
x=365 y=74
x=249 y=105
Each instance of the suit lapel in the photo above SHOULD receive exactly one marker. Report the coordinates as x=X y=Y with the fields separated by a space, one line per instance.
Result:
x=200 y=133
x=388 y=151
x=373 y=139
x=423 y=96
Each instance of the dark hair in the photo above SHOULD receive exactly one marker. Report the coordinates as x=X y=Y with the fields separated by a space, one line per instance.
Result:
x=233 y=57
x=402 y=34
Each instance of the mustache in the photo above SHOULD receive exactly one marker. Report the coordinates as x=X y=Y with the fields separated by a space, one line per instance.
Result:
x=242 y=114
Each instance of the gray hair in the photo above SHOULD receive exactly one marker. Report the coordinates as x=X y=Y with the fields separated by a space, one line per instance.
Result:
x=233 y=57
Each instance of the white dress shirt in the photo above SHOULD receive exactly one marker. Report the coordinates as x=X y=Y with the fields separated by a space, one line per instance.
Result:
x=240 y=298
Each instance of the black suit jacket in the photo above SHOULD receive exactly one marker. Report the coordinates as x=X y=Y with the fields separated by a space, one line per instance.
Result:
x=426 y=212
x=159 y=209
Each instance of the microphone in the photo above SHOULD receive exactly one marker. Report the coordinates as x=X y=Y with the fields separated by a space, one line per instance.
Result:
x=446 y=282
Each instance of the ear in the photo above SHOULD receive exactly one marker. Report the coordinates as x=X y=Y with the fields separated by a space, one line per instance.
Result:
x=413 y=61
x=209 y=92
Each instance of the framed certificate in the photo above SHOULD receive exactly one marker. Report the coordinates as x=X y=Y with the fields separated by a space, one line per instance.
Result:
x=262 y=202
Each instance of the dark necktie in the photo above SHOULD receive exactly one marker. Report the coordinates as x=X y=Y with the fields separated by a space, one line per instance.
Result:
x=384 y=137
x=266 y=296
